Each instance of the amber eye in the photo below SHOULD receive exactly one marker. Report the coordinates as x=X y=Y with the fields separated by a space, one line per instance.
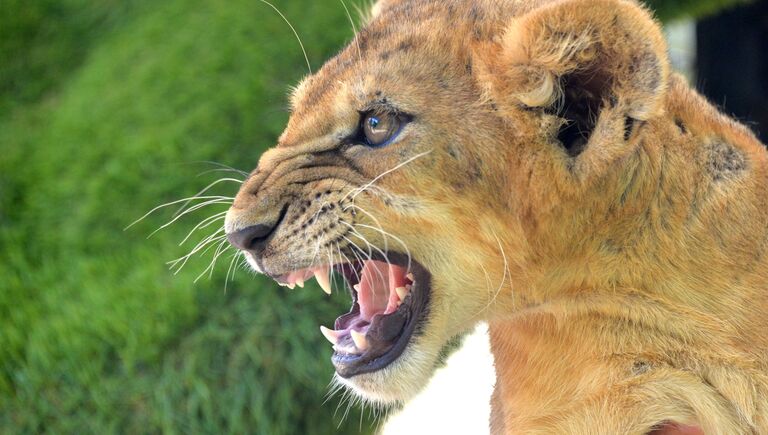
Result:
x=379 y=129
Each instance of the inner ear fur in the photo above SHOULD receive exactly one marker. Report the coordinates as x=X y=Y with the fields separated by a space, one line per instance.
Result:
x=573 y=58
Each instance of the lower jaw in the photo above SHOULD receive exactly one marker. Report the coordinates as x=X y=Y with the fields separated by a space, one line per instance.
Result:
x=414 y=312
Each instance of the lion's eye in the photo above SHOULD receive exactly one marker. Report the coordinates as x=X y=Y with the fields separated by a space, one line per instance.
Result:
x=379 y=129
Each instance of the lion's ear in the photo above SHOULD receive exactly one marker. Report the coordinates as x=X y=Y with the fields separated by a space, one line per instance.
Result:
x=575 y=57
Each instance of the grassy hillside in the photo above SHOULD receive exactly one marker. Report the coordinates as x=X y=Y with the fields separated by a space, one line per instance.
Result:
x=107 y=109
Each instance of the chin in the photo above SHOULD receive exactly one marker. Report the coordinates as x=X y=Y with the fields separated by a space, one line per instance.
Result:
x=400 y=381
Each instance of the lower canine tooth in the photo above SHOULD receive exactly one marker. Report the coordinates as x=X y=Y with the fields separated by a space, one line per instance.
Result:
x=401 y=292
x=359 y=338
x=330 y=334
x=409 y=276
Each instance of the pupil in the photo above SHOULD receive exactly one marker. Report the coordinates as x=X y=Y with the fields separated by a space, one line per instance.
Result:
x=373 y=122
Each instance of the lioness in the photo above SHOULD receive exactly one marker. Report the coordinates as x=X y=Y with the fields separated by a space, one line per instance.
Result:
x=534 y=164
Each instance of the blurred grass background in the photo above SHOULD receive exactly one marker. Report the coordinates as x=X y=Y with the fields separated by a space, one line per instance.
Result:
x=107 y=109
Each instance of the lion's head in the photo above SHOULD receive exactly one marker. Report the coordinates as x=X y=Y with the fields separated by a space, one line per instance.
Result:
x=445 y=164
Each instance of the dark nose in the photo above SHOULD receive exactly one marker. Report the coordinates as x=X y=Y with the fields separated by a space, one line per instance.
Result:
x=250 y=238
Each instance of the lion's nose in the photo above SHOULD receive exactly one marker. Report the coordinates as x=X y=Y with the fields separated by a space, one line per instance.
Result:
x=250 y=238
x=254 y=238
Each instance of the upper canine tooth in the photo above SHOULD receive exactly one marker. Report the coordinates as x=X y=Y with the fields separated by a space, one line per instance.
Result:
x=321 y=273
x=330 y=334
x=401 y=292
x=359 y=338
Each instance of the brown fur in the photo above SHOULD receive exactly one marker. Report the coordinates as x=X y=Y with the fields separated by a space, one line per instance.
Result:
x=623 y=278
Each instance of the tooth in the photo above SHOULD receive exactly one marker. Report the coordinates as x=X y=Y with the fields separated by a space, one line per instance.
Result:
x=291 y=286
x=359 y=338
x=410 y=276
x=300 y=282
x=330 y=334
x=356 y=287
x=401 y=292
x=321 y=273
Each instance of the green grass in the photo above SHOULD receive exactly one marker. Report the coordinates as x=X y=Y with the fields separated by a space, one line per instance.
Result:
x=103 y=120
x=668 y=10
x=106 y=108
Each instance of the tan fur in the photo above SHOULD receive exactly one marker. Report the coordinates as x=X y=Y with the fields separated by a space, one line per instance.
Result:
x=624 y=281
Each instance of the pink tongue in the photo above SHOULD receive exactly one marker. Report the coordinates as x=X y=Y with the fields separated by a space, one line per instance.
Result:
x=373 y=295
x=377 y=294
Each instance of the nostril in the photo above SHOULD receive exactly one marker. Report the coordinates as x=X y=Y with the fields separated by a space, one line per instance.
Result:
x=247 y=238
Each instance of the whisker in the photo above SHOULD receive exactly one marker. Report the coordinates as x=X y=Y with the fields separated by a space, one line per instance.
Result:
x=230 y=270
x=306 y=58
x=388 y=234
x=389 y=171
x=341 y=254
x=175 y=202
x=360 y=236
x=385 y=233
x=213 y=238
x=371 y=216
x=204 y=224
x=330 y=266
x=357 y=248
x=371 y=245
x=334 y=386
x=364 y=11
x=179 y=263
x=189 y=210
x=382 y=231
x=205 y=189
x=354 y=31
x=220 y=249
x=317 y=250
x=503 y=277
x=237 y=171
x=223 y=166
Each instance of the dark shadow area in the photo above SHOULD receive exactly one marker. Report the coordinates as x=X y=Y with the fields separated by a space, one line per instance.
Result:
x=732 y=66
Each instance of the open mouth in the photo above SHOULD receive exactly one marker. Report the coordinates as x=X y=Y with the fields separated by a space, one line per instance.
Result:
x=390 y=297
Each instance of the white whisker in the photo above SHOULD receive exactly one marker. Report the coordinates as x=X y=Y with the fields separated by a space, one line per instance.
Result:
x=220 y=249
x=205 y=189
x=506 y=273
x=189 y=210
x=371 y=245
x=354 y=31
x=204 y=224
x=176 y=202
x=306 y=58
x=389 y=171
x=207 y=241
x=223 y=166
x=230 y=269
x=236 y=171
